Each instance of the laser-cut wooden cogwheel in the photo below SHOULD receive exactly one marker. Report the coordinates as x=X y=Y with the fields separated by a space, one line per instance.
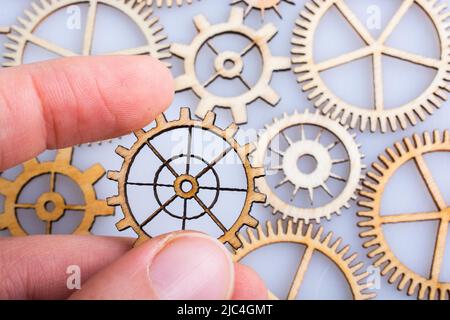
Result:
x=24 y=33
x=410 y=150
x=309 y=146
x=379 y=117
x=258 y=38
x=32 y=169
x=144 y=140
x=313 y=242
x=262 y=5
x=168 y=3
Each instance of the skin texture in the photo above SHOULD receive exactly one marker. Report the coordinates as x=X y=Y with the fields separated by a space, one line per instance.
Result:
x=66 y=102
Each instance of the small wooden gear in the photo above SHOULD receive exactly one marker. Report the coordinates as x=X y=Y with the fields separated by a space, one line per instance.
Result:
x=144 y=140
x=24 y=33
x=323 y=172
x=168 y=3
x=414 y=150
x=51 y=206
x=379 y=117
x=262 y=5
x=258 y=38
x=313 y=242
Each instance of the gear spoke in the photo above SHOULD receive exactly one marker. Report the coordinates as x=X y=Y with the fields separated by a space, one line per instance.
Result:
x=52 y=181
x=89 y=28
x=158 y=211
x=24 y=206
x=378 y=81
x=431 y=184
x=413 y=58
x=344 y=59
x=411 y=217
x=213 y=163
x=439 y=250
x=75 y=207
x=162 y=159
x=211 y=215
x=189 y=151
x=276 y=151
x=300 y=274
x=48 y=227
x=393 y=23
x=183 y=226
x=211 y=80
x=49 y=46
x=247 y=49
x=245 y=83
x=222 y=189
x=213 y=49
x=131 y=51
x=354 y=22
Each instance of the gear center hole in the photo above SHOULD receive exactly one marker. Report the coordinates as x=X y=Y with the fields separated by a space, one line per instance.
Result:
x=229 y=64
x=186 y=186
x=307 y=164
x=50 y=206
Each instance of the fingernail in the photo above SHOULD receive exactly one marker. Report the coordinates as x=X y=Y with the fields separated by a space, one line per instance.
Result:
x=192 y=267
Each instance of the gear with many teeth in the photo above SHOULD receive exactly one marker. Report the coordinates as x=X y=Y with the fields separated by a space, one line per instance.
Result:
x=144 y=139
x=168 y=3
x=411 y=150
x=321 y=174
x=262 y=5
x=51 y=206
x=379 y=117
x=237 y=104
x=25 y=33
x=314 y=242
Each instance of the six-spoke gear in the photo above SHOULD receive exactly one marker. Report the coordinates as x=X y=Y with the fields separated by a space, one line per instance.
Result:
x=25 y=33
x=314 y=242
x=413 y=151
x=51 y=206
x=191 y=192
x=379 y=117
x=237 y=104
x=322 y=173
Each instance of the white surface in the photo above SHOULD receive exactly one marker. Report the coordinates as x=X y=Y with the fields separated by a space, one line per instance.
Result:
x=413 y=243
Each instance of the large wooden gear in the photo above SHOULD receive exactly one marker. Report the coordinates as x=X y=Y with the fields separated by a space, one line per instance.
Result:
x=32 y=169
x=144 y=140
x=258 y=38
x=411 y=150
x=379 y=117
x=313 y=242
x=141 y=15
x=323 y=172
x=262 y=5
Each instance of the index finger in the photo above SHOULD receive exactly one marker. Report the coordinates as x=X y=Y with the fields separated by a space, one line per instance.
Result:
x=65 y=102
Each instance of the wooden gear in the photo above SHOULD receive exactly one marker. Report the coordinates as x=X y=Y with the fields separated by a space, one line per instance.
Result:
x=262 y=5
x=32 y=169
x=141 y=14
x=259 y=39
x=411 y=150
x=379 y=117
x=323 y=172
x=162 y=127
x=313 y=242
x=168 y=3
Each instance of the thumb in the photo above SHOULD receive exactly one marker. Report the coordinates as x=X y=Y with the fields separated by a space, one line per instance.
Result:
x=178 y=266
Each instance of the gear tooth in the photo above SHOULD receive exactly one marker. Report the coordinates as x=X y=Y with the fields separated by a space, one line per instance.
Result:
x=184 y=82
x=280 y=63
x=232 y=130
x=235 y=242
x=94 y=174
x=205 y=106
x=236 y=16
x=267 y=32
x=114 y=175
x=139 y=133
x=270 y=96
x=161 y=119
x=114 y=201
x=122 y=151
x=185 y=114
x=180 y=50
x=251 y=222
x=4 y=185
x=201 y=23
x=122 y=224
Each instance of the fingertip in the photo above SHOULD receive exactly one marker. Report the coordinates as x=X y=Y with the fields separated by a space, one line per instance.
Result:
x=248 y=284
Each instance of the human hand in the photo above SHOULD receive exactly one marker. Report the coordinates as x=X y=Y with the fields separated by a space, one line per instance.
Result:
x=57 y=104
